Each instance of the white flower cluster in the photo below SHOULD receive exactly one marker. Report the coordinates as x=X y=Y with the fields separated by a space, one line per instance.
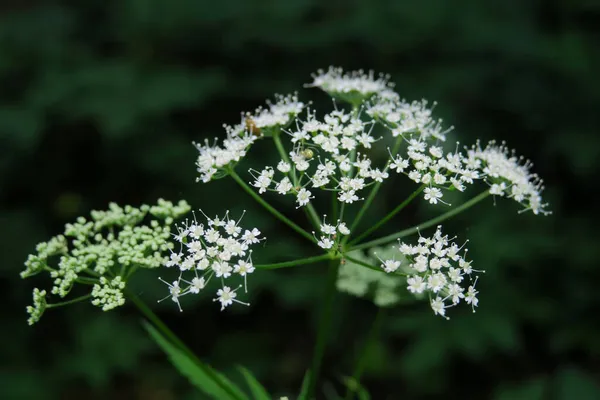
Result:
x=339 y=84
x=109 y=293
x=213 y=159
x=113 y=243
x=328 y=155
x=428 y=165
x=437 y=268
x=509 y=176
x=405 y=119
x=333 y=152
x=329 y=234
x=219 y=249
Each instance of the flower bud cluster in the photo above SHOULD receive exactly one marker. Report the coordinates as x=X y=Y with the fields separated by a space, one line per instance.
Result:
x=220 y=249
x=104 y=251
x=109 y=293
x=36 y=310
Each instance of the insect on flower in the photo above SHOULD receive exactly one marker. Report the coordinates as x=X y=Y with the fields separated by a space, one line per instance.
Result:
x=252 y=128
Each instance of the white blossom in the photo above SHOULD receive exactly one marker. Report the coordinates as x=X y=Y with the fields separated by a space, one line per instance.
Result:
x=303 y=197
x=337 y=83
x=509 y=175
x=436 y=267
x=223 y=253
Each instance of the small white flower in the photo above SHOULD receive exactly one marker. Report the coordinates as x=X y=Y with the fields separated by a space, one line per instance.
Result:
x=438 y=307
x=471 y=297
x=348 y=196
x=226 y=296
x=221 y=269
x=284 y=186
x=399 y=164
x=174 y=260
x=433 y=195
x=328 y=229
x=284 y=167
x=390 y=265
x=243 y=268
x=343 y=229
x=325 y=243
x=416 y=284
x=197 y=285
x=303 y=197
x=251 y=237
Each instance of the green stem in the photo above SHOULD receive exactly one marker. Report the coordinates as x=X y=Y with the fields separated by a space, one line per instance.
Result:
x=293 y=263
x=388 y=217
x=67 y=302
x=424 y=225
x=362 y=263
x=270 y=208
x=373 y=192
x=334 y=206
x=324 y=324
x=309 y=209
x=374 y=268
x=87 y=281
x=168 y=333
x=362 y=358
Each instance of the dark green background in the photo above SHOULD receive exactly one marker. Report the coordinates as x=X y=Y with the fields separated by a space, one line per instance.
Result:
x=100 y=100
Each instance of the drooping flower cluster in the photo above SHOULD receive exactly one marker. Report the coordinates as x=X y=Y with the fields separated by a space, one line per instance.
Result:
x=508 y=175
x=220 y=249
x=213 y=159
x=327 y=155
x=437 y=268
x=103 y=251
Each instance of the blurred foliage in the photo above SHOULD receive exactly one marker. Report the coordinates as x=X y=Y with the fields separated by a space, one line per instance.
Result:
x=101 y=99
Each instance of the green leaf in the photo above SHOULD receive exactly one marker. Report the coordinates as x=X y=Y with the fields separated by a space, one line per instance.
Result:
x=573 y=383
x=200 y=375
x=258 y=391
x=356 y=387
x=304 y=388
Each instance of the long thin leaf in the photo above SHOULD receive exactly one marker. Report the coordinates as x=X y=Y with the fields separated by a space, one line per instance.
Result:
x=258 y=391
x=356 y=388
x=304 y=388
x=200 y=375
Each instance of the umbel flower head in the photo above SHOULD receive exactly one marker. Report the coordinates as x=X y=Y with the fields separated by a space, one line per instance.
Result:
x=219 y=249
x=103 y=252
x=509 y=176
x=327 y=155
x=353 y=87
x=214 y=158
x=437 y=267
x=336 y=152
